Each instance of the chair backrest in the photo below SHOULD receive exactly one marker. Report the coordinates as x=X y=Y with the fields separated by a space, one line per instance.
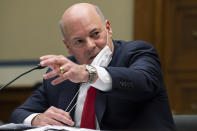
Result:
x=1 y=123
x=185 y=122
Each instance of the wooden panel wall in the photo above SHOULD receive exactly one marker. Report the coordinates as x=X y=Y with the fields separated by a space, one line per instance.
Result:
x=171 y=26
x=10 y=98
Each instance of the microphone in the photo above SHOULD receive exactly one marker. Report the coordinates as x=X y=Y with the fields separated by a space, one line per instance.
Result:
x=34 y=68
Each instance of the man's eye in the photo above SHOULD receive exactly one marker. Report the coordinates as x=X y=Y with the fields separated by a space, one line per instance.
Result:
x=79 y=41
x=95 y=34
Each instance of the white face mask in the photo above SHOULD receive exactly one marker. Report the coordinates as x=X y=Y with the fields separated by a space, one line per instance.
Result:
x=104 y=57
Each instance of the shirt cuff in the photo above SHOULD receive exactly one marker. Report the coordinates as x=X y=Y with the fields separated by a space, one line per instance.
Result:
x=104 y=81
x=30 y=118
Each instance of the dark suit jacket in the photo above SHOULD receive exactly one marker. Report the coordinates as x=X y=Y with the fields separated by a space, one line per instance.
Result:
x=138 y=99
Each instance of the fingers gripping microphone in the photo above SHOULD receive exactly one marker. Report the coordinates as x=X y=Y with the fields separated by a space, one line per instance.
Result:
x=35 y=68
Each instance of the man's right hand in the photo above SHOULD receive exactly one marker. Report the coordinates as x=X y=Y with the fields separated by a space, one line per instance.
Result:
x=53 y=116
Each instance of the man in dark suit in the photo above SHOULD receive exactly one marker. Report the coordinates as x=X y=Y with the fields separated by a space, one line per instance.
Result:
x=125 y=79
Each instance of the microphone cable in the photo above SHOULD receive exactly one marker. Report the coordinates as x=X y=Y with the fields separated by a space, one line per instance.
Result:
x=34 y=68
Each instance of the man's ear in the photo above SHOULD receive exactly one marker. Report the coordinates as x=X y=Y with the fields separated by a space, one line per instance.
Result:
x=67 y=46
x=108 y=27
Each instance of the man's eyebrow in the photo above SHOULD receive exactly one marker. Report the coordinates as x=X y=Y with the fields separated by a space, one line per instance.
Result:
x=92 y=31
x=95 y=29
x=76 y=38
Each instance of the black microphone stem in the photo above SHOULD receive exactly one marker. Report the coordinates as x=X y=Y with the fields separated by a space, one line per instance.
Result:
x=37 y=67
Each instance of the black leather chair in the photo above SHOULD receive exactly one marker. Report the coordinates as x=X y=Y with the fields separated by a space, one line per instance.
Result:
x=1 y=123
x=185 y=122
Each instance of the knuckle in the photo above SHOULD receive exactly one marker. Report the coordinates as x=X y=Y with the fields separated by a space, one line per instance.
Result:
x=68 y=116
x=55 y=60
x=62 y=58
x=72 y=71
x=51 y=108
x=56 y=71
x=59 y=110
x=61 y=118
x=69 y=74
x=46 y=113
x=68 y=65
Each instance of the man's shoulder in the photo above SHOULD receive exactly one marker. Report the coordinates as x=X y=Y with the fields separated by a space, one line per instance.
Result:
x=137 y=45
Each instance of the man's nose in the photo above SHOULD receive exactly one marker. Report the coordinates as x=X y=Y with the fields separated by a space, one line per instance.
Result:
x=90 y=44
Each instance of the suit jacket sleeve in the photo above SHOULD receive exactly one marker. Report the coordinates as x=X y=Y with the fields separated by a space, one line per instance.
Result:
x=136 y=71
x=37 y=103
x=44 y=97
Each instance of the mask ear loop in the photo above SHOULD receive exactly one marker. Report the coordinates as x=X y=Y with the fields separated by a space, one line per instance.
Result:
x=106 y=29
x=107 y=33
x=72 y=102
x=107 y=37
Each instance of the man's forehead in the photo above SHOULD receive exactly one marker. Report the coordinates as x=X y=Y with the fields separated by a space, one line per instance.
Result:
x=81 y=33
x=79 y=10
x=80 y=6
x=82 y=17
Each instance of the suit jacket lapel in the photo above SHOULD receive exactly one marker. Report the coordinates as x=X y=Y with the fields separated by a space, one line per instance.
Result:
x=100 y=105
x=101 y=99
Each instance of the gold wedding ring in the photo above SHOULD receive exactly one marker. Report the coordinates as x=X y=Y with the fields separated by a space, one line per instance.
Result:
x=62 y=70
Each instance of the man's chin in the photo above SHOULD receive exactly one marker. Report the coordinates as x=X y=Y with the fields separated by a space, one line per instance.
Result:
x=90 y=61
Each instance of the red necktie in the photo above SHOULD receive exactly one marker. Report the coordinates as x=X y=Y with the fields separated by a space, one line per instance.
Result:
x=88 y=114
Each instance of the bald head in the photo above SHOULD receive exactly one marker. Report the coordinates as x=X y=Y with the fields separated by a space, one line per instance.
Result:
x=79 y=12
x=81 y=7
x=85 y=32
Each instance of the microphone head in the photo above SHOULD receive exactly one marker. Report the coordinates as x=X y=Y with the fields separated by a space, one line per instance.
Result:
x=40 y=67
x=36 y=67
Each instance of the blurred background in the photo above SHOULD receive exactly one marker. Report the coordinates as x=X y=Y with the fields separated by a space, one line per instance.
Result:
x=30 y=29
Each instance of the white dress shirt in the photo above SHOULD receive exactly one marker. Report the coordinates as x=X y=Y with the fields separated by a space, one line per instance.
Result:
x=103 y=83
